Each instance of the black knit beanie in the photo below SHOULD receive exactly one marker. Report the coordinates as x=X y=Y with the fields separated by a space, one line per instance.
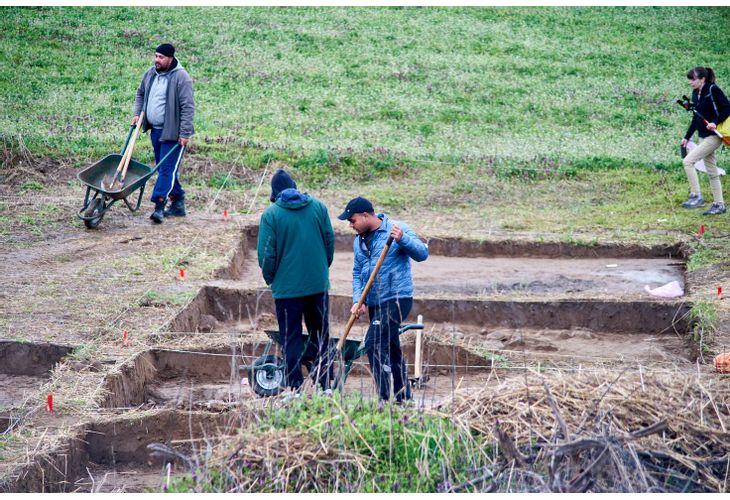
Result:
x=166 y=50
x=279 y=182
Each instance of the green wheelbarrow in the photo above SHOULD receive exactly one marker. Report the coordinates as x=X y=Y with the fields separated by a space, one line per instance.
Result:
x=98 y=200
x=266 y=374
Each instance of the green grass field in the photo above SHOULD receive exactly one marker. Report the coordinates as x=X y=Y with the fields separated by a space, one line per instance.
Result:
x=505 y=85
x=557 y=120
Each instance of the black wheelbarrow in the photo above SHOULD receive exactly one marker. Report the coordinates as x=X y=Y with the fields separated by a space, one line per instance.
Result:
x=266 y=374
x=98 y=200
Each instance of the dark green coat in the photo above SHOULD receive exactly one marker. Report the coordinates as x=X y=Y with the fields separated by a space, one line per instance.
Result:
x=296 y=245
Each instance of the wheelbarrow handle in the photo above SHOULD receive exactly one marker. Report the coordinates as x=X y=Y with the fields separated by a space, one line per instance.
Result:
x=168 y=155
x=130 y=149
x=364 y=294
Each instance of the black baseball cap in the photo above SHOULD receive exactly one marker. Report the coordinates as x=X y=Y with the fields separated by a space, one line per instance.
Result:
x=357 y=205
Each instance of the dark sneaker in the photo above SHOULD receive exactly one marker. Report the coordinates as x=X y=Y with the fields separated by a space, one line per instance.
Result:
x=716 y=209
x=177 y=209
x=694 y=201
x=158 y=215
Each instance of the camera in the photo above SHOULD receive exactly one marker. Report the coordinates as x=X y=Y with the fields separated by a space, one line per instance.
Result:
x=685 y=103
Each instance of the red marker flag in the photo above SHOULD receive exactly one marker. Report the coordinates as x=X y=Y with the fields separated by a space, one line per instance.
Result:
x=225 y=214
x=702 y=230
x=49 y=403
x=182 y=274
x=125 y=338
x=719 y=292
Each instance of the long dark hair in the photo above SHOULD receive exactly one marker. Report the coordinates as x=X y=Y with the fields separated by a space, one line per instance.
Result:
x=702 y=72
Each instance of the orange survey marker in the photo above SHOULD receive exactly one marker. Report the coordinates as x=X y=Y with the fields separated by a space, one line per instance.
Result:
x=722 y=362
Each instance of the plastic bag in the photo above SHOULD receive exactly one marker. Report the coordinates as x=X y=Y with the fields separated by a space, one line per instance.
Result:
x=669 y=291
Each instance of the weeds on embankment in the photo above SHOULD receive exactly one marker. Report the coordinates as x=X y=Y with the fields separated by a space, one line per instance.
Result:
x=598 y=430
x=344 y=444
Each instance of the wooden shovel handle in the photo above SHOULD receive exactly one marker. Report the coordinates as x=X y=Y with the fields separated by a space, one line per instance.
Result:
x=130 y=148
x=125 y=151
x=368 y=285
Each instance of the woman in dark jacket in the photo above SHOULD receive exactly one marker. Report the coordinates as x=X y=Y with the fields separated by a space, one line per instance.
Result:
x=711 y=103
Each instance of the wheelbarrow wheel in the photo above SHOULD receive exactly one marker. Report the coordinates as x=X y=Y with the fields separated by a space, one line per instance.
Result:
x=94 y=211
x=267 y=375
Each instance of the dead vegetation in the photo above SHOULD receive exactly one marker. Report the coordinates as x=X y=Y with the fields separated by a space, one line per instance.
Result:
x=600 y=431
x=634 y=432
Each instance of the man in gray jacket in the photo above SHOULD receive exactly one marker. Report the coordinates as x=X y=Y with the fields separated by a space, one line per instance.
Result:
x=166 y=97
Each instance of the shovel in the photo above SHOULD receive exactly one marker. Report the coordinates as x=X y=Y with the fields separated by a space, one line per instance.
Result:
x=363 y=296
x=117 y=182
x=108 y=180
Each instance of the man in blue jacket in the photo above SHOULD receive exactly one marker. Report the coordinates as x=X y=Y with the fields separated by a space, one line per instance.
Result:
x=296 y=245
x=391 y=297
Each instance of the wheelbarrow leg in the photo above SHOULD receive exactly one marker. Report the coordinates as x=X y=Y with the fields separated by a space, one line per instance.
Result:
x=86 y=198
x=139 y=201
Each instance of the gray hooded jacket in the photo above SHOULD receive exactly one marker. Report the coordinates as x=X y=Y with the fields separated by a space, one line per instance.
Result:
x=179 y=106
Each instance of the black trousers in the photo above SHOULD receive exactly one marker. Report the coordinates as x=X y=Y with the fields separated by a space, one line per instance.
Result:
x=314 y=309
x=382 y=343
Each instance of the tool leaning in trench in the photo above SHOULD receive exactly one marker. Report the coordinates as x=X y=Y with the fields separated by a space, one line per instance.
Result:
x=117 y=181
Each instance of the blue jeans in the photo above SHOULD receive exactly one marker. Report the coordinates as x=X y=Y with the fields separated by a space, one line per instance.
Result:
x=315 y=311
x=167 y=184
x=382 y=343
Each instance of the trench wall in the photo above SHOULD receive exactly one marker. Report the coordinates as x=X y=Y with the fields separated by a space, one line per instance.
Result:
x=246 y=243
x=26 y=358
x=457 y=247
x=594 y=314
x=119 y=440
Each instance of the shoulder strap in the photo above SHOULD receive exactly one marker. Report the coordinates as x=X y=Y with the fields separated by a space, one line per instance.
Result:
x=712 y=98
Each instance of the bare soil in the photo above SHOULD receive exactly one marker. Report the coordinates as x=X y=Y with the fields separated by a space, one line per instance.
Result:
x=81 y=289
x=16 y=390
x=505 y=276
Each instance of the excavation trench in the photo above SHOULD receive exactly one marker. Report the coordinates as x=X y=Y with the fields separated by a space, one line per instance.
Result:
x=486 y=306
x=217 y=380
x=111 y=454
x=24 y=368
x=463 y=269
x=547 y=300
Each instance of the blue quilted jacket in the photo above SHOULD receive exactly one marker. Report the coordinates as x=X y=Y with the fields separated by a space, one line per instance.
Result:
x=394 y=279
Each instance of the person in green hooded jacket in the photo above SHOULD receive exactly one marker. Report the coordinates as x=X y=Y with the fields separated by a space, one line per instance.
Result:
x=296 y=245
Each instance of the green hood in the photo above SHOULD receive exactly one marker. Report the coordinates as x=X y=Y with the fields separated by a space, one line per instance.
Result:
x=292 y=199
